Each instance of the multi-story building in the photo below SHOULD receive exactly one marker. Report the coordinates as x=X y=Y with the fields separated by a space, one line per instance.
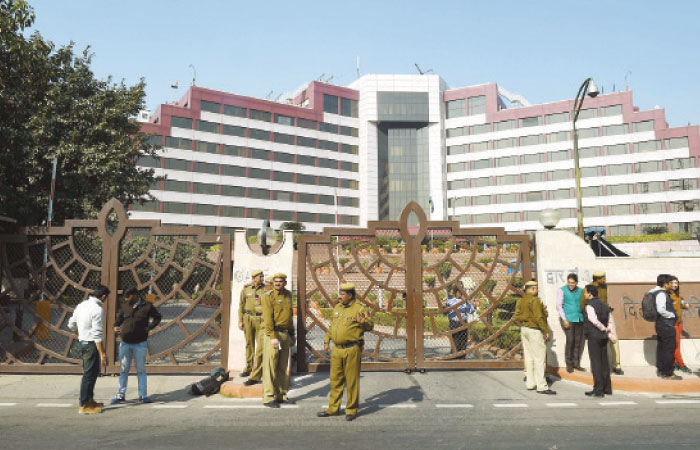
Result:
x=480 y=155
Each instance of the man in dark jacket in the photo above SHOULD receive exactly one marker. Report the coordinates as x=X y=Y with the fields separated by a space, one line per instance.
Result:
x=665 y=328
x=135 y=319
x=598 y=328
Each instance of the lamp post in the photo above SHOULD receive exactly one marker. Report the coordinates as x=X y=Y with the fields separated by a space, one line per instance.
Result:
x=588 y=87
x=266 y=237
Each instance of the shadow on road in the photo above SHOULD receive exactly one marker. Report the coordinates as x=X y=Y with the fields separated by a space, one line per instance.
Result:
x=374 y=403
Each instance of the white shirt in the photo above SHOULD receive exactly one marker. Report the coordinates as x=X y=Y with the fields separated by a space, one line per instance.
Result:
x=661 y=303
x=87 y=319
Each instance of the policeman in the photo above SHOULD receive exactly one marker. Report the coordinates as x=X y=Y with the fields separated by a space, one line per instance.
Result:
x=249 y=318
x=278 y=338
x=350 y=321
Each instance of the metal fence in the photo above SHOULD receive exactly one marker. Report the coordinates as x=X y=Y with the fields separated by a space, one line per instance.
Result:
x=45 y=273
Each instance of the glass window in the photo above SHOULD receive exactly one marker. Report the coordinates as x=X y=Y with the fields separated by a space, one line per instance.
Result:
x=235 y=111
x=327 y=163
x=286 y=177
x=348 y=107
x=457 y=184
x=481 y=200
x=260 y=115
x=262 y=135
x=684 y=206
x=306 y=179
x=232 y=130
x=328 y=181
x=326 y=200
x=504 y=143
x=620 y=210
x=173 y=142
x=176 y=208
x=619 y=149
x=619 y=189
x=480 y=182
x=349 y=184
x=260 y=194
x=207 y=147
x=329 y=127
x=150 y=206
x=561 y=194
x=284 y=138
x=530 y=121
x=349 y=131
x=455 y=132
x=457 y=167
x=651 y=186
x=284 y=215
x=531 y=140
x=652 y=208
x=210 y=106
x=647 y=125
x=587 y=133
x=263 y=174
x=593 y=211
x=456 y=149
x=203 y=167
x=507 y=161
x=480 y=164
x=613 y=130
x=649 y=166
x=607 y=111
x=457 y=202
x=535 y=196
x=591 y=172
x=307 y=123
x=348 y=166
x=177 y=164
x=307 y=142
x=556 y=118
x=284 y=120
x=508 y=198
x=674 y=143
x=456 y=108
x=306 y=198
x=306 y=217
x=351 y=149
x=680 y=163
x=148 y=161
x=532 y=159
x=479 y=129
x=648 y=146
x=504 y=125
x=532 y=177
x=478 y=147
x=587 y=113
x=482 y=218
x=622 y=230
x=233 y=191
x=564 y=174
x=592 y=191
x=507 y=179
x=561 y=155
x=181 y=122
x=560 y=136
x=209 y=127
x=177 y=186
x=509 y=217
x=284 y=157
x=257 y=153
x=330 y=104
x=349 y=201
x=283 y=196
x=328 y=145
x=234 y=150
x=618 y=169
x=477 y=105
x=588 y=152
x=349 y=220
x=205 y=188
x=306 y=160
x=683 y=185
x=257 y=213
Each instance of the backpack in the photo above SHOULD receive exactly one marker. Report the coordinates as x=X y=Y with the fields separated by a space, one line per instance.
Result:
x=649 y=306
x=211 y=384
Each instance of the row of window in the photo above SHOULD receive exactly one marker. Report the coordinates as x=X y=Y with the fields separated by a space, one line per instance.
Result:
x=240 y=212
x=468 y=107
x=567 y=193
x=338 y=105
x=236 y=150
x=457 y=108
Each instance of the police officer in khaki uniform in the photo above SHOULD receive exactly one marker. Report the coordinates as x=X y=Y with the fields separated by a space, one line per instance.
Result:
x=350 y=321
x=278 y=338
x=249 y=319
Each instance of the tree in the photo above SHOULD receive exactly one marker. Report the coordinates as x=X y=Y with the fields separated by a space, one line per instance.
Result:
x=51 y=105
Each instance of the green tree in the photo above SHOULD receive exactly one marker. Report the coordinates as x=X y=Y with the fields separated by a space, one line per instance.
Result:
x=51 y=105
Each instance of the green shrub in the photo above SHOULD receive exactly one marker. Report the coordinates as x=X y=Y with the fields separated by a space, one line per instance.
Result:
x=649 y=238
x=478 y=332
x=343 y=261
x=445 y=270
x=509 y=338
x=485 y=260
x=655 y=229
x=429 y=281
x=382 y=241
x=490 y=285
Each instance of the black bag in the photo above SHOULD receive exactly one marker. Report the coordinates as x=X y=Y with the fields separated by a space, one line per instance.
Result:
x=649 y=306
x=211 y=384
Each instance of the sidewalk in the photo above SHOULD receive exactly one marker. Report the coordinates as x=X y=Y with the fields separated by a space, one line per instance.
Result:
x=637 y=379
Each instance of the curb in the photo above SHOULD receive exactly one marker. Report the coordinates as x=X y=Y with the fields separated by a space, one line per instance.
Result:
x=626 y=383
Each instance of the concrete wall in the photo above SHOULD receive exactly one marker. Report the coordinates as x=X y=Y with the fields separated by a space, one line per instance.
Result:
x=562 y=252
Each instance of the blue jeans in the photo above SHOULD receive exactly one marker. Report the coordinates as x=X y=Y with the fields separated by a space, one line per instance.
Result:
x=138 y=353
x=91 y=370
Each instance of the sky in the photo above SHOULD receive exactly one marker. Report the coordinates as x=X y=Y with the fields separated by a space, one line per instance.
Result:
x=542 y=50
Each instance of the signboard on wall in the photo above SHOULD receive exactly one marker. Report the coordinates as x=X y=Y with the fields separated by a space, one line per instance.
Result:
x=626 y=301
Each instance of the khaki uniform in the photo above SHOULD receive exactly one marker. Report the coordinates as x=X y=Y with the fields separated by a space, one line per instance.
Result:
x=347 y=336
x=277 y=323
x=531 y=314
x=250 y=313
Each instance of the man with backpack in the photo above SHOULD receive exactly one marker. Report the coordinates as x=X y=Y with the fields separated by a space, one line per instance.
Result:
x=665 y=327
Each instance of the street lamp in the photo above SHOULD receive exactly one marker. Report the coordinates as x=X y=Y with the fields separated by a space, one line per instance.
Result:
x=266 y=237
x=588 y=87
x=549 y=218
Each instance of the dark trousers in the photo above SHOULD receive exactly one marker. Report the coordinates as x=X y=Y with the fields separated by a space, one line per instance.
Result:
x=91 y=370
x=598 y=354
x=574 y=344
x=461 y=338
x=665 y=348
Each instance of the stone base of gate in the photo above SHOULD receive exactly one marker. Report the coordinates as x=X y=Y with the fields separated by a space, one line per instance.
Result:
x=236 y=389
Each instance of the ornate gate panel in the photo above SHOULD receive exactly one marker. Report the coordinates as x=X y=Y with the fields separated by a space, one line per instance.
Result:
x=46 y=273
x=403 y=273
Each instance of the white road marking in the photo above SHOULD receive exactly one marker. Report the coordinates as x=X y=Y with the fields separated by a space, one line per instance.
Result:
x=245 y=406
x=8 y=404
x=398 y=405
x=676 y=402
x=53 y=405
x=510 y=405
x=617 y=403
x=561 y=405
x=171 y=406
x=454 y=405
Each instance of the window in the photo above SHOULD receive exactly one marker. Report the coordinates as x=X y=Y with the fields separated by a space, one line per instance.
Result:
x=176 y=208
x=205 y=188
x=284 y=215
x=532 y=159
x=619 y=149
x=177 y=186
x=561 y=155
x=284 y=138
x=556 y=118
x=348 y=107
x=680 y=163
x=674 y=143
x=306 y=179
x=482 y=218
x=455 y=132
x=260 y=115
x=263 y=174
x=648 y=146
x=607 y=111
x=177 y=164
x=458 y=184
x=457 y=167
x=614 y=130
x=210 y=106
x=477 y=105
x=203 y=167
x=307 y=198
x=233 y=191
x=235 y=111
x=456 y=108
x=561 y=194
x=560 y=136
x=531 y=140
x=592 y=191
x=535 y=196
x=307 y=142
x=284 y=157
x=564 y=174
x=205 y=210
x=507 y=161
x=479 y=129
x=507 y=179
x=349 y=220
x=651 y=186
x=504 y=125
x=262 y=135
x=587 y=113
x=457 y=202
x=233 y=171
x=260 y=194
x=209 y=127
x=181 y=122
x=620 y=189
x=173 y=142
x=150 y=206
x=234 y=131
x=504 y=143
x=349 y=184
x=530 y=121
x=328 y=145
x=508 y=198
x=256 y=213
x=326 y=200
x=283 y=196
x=148 y=161
x=683 y=185
x=649 y=166
x=207 y=147
x=618 y=169
x=684 y=206
x=307 y=123
x=589 y=152
x=481 y=200
x=306 y=160
x=286 y=177
x=591 y=172
x=478 y=147
x=330 y=104
x=639 y=127
x=622 y=230
x=620 y=210
x=328 y=181
x=329 y=127
x=509 y=217
x=532 y=177
x=351 y=149
x=531 y=215
x=480 y=164
x=480 y=182
x=592 y=211
x=652 y=208
x=257 y=153
x=284 y=120
x=327 y=163
x=234 y=150
x=232 y=211
x=587 y=133
x=306 y=217
x=456 y=149
x=349 y=131
x=349 y=201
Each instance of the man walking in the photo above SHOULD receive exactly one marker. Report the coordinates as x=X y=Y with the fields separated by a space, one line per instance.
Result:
x=665 y=328
x=87 y=320
x=348 y=325
x=135 y=319
x=460 y=338
x=250 y=319
x=278 y=338
x=532 y=316
x=599 y=328
x=569 y=309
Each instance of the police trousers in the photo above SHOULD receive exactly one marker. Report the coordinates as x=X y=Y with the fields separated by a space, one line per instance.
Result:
x=253 y=345
x=274 y=368
x=345 y=371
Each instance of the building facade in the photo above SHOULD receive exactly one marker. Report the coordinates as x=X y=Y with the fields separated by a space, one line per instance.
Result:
x=330 y=155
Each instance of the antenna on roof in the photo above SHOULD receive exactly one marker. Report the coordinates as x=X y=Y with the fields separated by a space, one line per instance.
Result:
x=194 y=76
x=627 y=86
x=422 y=72
x=320 y=77
x=357 y=66
x=269 y=94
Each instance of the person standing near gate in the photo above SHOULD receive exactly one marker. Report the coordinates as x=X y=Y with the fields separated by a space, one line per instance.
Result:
x=599 y=329
x=569 y=309
x=678 y=304
x=249 y=320
x=348 y=325
x=460 y=338
x=278 y=338
x=135 y=319
x=600 y=281
x=87 y=320
x=534 y=332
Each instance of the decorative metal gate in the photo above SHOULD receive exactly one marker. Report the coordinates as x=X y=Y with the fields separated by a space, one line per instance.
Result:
x=402 y=273
x=46 y=273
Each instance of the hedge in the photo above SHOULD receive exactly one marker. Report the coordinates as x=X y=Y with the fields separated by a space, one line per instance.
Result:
x=649 y=238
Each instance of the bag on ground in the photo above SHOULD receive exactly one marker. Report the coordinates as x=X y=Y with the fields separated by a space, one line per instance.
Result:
x=211 y=384
x=649 y=306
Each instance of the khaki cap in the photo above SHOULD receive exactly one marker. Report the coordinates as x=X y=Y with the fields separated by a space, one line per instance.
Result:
x=530 y=284
x=599 y=273
x=280 y=275
x=347 y=287
x=256 y=273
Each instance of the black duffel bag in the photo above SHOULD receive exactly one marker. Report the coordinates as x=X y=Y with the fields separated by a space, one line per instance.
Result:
x=211 y=384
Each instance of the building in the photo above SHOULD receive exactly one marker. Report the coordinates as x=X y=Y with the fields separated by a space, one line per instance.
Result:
x=327 y=154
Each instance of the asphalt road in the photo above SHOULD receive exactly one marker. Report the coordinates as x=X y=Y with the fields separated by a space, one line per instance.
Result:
x=450 y=410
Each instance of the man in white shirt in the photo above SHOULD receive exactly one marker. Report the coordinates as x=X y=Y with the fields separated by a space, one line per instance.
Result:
x=87 y=320
x=665 y=328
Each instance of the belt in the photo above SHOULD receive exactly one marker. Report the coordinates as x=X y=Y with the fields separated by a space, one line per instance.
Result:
x=253 y=313
x=87 y=342
x=350 y=344
x=281 y=330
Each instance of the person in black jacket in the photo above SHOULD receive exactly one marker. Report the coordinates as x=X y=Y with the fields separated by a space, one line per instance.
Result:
x=135 y=319
x=598 y=328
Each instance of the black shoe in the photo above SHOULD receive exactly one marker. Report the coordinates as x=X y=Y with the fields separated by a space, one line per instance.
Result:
x=250 y=382
x=548 y=392
x=271 y=405
x=590 y=393
x=350 y=417
x=324 y=413
x=244 y=373
x=285 y=400
x=599 y=395
x=570 y=369
x=618 y=371
x=579 y=368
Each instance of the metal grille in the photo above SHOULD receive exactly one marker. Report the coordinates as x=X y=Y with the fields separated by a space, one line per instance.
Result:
x=46 y=273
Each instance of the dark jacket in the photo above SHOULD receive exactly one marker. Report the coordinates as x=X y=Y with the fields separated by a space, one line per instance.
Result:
x=134 y=322
x=602 y=312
